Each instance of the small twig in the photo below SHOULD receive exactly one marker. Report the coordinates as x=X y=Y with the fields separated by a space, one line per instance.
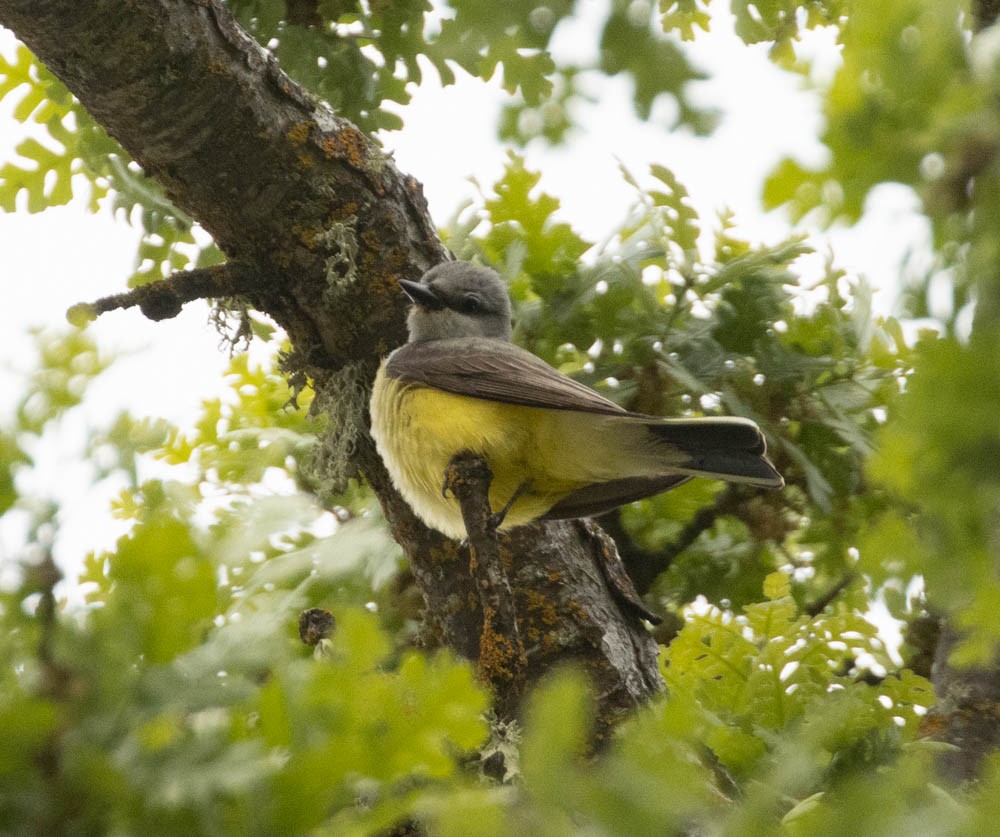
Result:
x=644 y=566
x=59 y=685
x=501 y=653
x=164 y=300
x=818 y=606
x=47 y=575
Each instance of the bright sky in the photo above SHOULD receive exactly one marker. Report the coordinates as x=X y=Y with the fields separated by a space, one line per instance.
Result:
x=53 y=260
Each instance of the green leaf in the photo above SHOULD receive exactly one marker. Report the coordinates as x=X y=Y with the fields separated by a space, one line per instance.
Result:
x=657 y=66
x=556 y=730
x=44 y=99
x=42 y=191
x=551 y=117
x=680 y=218
x=550 y=247
x=67 y=364
x=777 y=586
x=902 y=92
x=12 y=459
x=685 y=16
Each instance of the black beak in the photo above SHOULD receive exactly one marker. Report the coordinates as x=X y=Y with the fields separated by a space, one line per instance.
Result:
x=422 y=295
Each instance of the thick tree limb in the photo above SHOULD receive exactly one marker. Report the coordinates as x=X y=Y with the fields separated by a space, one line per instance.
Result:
x=564 y=605
x=967 y=713
x=300 y=196
x=984 y=13
x=282 y=184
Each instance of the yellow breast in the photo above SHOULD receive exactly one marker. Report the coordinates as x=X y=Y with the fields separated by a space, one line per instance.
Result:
x=419 y=430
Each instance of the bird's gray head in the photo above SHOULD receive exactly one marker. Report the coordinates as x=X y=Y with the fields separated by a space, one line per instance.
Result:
x=458 y=299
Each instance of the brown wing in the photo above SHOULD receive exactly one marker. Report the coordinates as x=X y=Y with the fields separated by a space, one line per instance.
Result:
x=602 y=497
x=494 y=370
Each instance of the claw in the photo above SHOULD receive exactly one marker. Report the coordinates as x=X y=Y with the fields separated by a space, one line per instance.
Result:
x=495 y=520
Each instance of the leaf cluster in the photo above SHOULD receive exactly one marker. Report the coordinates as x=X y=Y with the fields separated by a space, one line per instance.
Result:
x=666 y=324
x=914 y=102
x=911 y=103
x=364 y=58
x=361 y=58
x=177 y=699
x=73 y=156
x=778 y=22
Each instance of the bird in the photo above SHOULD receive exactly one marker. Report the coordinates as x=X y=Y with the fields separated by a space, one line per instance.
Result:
x=556 y=448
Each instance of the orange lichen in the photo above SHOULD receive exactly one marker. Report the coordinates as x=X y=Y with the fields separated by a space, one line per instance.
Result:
x=443 y=554
x=541 y=607
x=932 y=725
x=501 y=659
x=308 y=236
x=298 y=133
x=345 y=210
x=346 y=144
x=219 y=68
x=370 y=238
x=578 y=611
x=542 y=619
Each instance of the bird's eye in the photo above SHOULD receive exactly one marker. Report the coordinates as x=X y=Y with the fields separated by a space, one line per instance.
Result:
x=470 y=304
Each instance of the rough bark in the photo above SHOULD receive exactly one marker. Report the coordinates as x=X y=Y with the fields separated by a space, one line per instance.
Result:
x=967 y=712
x=325 y=224
x=984 y=13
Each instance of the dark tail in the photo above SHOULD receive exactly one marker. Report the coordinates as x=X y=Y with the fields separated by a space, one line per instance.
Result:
x=731 y=449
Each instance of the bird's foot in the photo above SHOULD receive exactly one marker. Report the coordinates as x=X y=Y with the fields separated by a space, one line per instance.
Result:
x=495 y=520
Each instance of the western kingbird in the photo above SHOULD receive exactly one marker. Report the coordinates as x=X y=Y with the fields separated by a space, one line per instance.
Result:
x=556 y=448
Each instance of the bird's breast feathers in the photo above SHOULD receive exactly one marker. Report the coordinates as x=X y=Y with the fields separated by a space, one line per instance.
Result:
x=539 y=431
x=419 y=430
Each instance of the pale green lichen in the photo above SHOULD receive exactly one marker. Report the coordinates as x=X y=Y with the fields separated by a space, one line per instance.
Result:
x=231 y=318
x=343 y=398
x=340 y=241
x=503 y=751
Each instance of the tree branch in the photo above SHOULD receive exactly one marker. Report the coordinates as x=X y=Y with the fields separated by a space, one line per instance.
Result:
x=984 y=13
x=163 y=300
x=818 y=606
x=303 y=199
x=644 y=566
x=281 y=183
x=967 y=712
x=502 y=660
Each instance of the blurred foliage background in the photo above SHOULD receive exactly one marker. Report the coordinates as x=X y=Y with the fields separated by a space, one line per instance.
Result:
x=178 y=698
